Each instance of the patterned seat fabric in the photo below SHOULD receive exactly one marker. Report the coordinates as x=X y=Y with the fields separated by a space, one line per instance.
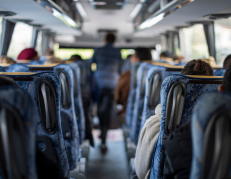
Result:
x=2 y=69
x=73 y=142
x=194 y=88
x=78 y=100
x=57 y=150
x=139 y=101
x=132 y=95
x=205 y=109
x=149 y=110
x=19 y=103
x=220 y=72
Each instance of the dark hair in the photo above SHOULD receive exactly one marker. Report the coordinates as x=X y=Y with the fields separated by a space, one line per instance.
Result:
x=110 y=38
x=143 y=53
x=129 y=56
x=227 y=80
x=227 y=61
x=76 y=57
x=197 y=67
x=166 y=54
x=6 y=81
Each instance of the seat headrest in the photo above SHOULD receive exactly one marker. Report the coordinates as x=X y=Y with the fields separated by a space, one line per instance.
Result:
x=16 y=73
x=44 y=66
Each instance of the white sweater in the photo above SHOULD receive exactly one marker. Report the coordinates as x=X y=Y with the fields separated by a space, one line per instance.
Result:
x=148 y=137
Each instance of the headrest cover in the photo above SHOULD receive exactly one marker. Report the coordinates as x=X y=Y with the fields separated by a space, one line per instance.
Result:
x=27 y=54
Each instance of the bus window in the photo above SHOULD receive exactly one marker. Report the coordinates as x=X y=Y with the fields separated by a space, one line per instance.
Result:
x=222 y=29
x=39 y=43
x=1 y=19
x=194 y=42
x=67 y=53
x=126 y=52
x=21 y=39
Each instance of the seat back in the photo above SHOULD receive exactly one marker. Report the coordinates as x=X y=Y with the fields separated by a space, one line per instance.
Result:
x=139 y=100
x=154 y=79
x=18 y=119
x=78 y=100
x=179 y=94
x=132 y=94
x=68 y=115
x=211 y=135
x=44 y=89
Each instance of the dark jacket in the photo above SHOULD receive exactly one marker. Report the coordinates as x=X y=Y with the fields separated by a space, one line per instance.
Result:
x=122 y=90
x=178 y=150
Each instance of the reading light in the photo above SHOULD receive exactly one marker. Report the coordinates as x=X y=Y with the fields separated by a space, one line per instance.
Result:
x=135 y=11
x=81 y=9
x=151 y=22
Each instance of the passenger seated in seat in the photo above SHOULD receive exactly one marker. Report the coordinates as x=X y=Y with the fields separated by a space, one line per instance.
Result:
x=227 y=62
x=178 y=159
x=6 y=60
x=123 y=85
x=28 y=54
x=75 y=57
x=150 y=131
x=50 y=56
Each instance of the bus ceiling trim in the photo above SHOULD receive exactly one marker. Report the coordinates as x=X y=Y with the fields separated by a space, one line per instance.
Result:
x=7 y=13
x=217 y=16
x=163 y=12
x=199 y=22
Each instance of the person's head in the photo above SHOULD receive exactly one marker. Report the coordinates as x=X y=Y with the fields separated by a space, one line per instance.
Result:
x=110 y=38
x=141 y=54
x=227 y=62
x=50 y=52
x=197 y=67
x=6 y=81
x=28 y=54
x=226 y=84
x=6 y=60
x=165 y=54
x=76 y=57
x=129 y=56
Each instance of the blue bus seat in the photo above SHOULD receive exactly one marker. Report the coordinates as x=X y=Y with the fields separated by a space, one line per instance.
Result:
x=219 y=72
x=65 y=75
x=139 y=101
x=179 y=94
x=19 y=118
x=211 y=123
x=78 y=99
x=154 y=79
x=45 y=90
x=132 y=94
x=17 y=68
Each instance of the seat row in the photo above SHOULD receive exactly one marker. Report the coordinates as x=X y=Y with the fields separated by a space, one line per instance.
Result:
x=153 y=84
x=60 y=124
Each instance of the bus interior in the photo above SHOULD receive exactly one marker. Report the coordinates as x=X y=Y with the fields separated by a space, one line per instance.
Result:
x=116 y=89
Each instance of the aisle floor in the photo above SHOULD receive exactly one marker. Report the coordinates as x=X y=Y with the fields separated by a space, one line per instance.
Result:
x=112 y=165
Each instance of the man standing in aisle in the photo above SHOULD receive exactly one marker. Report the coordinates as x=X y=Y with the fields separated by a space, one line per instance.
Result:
x=108 y=61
